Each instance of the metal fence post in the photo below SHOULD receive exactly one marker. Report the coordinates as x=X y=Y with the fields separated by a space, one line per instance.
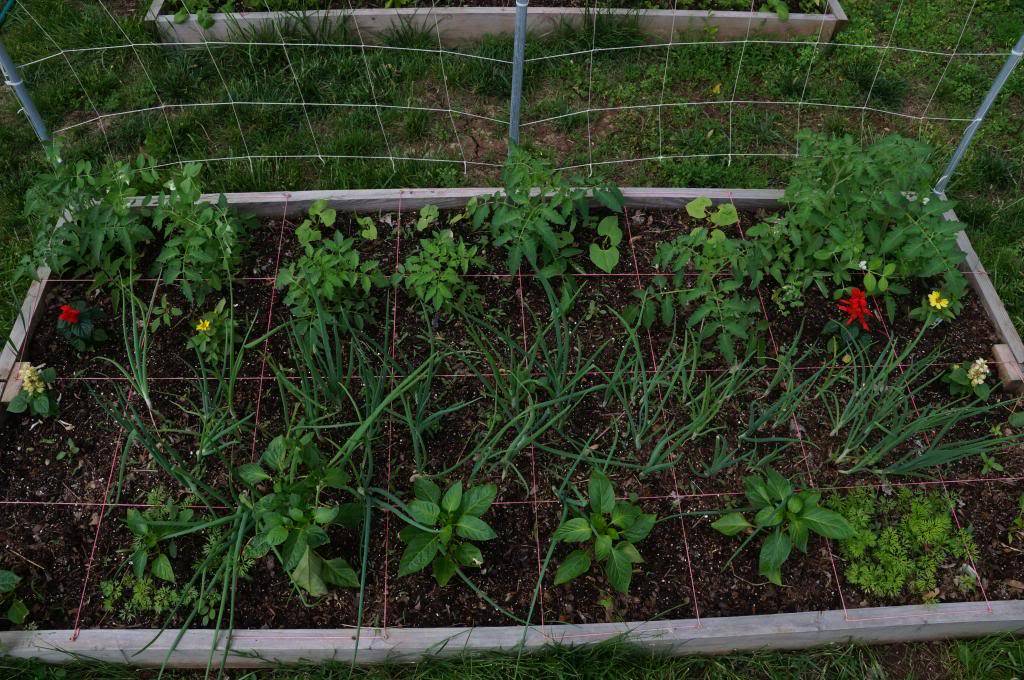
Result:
x=518 y=59
x=1011 y=62
x=13 y=78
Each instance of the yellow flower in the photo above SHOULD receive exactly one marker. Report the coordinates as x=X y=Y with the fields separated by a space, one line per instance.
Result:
x=936 y=300
x=203 y=326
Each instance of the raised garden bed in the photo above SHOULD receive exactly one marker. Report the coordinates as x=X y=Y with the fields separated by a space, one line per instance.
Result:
x=460 y=25
x=69 y=528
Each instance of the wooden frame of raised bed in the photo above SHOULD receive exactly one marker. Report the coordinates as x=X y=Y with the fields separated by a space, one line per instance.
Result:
x=683 y=636
x=463 y=25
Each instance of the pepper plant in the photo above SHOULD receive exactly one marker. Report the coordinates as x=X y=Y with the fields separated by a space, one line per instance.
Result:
x=293 y=492
x=610 y=531
x=443 y=528
x=787 y=516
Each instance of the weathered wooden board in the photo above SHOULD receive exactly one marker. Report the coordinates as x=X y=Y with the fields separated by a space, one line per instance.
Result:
x=464 y=25
x=293 y=203
x=253 y=648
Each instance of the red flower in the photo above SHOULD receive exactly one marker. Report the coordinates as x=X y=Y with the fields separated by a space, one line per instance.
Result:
x=856 y=308
x=69 y=314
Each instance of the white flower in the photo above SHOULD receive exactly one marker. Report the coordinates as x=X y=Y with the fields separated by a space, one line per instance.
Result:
x=863 y=265
x=978 y=372
x=925 y=200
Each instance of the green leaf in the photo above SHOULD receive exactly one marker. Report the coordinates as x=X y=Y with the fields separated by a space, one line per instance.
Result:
x=619 y=569
x=418 y=553
x=1016 y=419
x=609 y=228
x=8 y=581
x=474 y=528
x=640 y=529
x=602 y=547
x=452 y=498
x=605 y=259
x=424 y=512
x=308 y=574
x=798 y=534
x=870 y=283
x=731 y=524
x=444 y=569
x=770 y=516
x=276 y=535
x=17 y=612
x=774 y=553
x=139 y=561
x=602 y=496
x=477 y=500
x=162 y=568
x=425 y=489
x=252 y=474
x=326 y=515
x=469 y=555
x=698 y=207
x=575 y=530
x=827 y=523
x=19 y=404
x=575 y=564
x=778 y=486
x=335 y=478
x=338 y=572
x=725 y=215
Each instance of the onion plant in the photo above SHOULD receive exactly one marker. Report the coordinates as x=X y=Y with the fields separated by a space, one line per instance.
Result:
x=533 y=390
x=881 y=429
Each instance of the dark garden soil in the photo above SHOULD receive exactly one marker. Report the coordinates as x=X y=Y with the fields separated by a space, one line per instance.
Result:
x=53 y=498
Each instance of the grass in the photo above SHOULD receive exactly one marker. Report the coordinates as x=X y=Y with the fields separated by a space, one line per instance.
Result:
x=695 y=140
x=988 y=658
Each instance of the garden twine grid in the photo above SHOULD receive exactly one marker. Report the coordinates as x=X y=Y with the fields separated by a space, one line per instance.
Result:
x=865 y=108
x=535 y=501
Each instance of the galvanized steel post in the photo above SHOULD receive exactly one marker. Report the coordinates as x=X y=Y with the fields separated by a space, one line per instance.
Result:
x=518 y=59
x=13 y=78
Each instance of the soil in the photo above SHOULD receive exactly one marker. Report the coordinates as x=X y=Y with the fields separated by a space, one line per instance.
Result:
x=52 y=507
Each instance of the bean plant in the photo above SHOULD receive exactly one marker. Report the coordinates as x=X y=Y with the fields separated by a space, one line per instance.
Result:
x=540 y=216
